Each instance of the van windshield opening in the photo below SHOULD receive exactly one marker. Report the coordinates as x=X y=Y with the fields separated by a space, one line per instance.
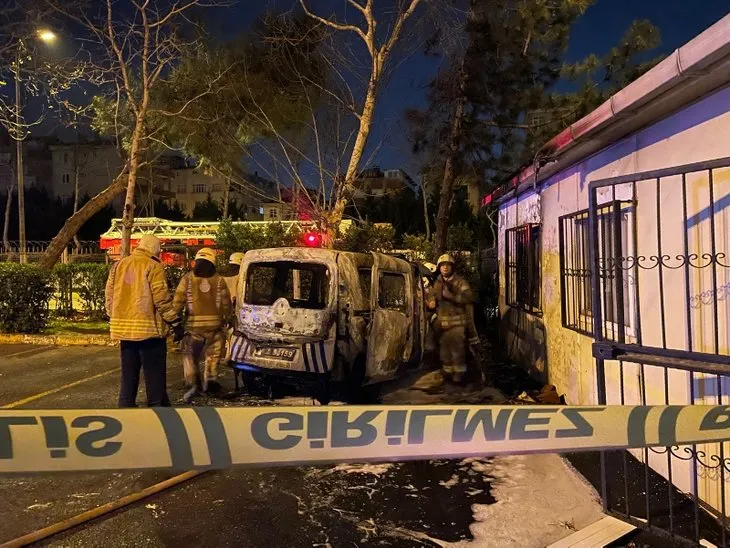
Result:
x=304 y=285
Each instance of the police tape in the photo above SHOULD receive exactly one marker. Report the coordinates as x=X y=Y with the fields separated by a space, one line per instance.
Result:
x=206 y=437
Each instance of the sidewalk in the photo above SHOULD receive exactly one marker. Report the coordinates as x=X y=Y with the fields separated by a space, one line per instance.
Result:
x=58 y=340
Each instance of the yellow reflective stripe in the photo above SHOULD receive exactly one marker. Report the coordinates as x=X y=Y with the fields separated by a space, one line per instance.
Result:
x=141 y=323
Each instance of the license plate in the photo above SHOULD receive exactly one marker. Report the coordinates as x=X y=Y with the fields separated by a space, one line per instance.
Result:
x=275 y=352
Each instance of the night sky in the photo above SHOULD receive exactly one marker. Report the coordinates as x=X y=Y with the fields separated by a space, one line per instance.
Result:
x=597 y=31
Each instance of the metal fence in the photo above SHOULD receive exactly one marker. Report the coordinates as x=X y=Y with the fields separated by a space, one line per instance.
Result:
x=85 y=252
x=658 y=247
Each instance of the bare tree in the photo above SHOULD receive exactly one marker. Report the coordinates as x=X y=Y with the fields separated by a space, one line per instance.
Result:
x=27 y=73
x=137 y=45
x=6 y=224
x=379 y=48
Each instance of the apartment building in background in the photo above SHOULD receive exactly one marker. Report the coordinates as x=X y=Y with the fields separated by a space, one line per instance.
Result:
x=96 y=163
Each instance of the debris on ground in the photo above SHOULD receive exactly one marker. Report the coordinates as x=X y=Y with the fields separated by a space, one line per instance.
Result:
x=549 y=395
x=523 y=398
x=430 y=382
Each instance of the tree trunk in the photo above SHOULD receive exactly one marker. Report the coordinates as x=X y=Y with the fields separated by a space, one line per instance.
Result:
x=447 y=184
x=425 y=209
x=128 y=212
x=77 y=243
x=6 y=225
x=363 y=131
x=226 y=196
x=76 y=221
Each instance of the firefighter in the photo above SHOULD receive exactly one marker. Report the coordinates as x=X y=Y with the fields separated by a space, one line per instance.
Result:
x=203 y=297
x=234 y=267
x=451 y=297
x=139 y=306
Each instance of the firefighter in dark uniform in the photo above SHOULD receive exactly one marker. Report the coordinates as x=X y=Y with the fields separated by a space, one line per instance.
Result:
x=452 y=298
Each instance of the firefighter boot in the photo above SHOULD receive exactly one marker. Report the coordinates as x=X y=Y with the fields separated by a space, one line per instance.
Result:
x=190 y=394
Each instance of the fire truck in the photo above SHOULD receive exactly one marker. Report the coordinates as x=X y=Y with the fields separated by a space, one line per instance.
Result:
x=182 y=239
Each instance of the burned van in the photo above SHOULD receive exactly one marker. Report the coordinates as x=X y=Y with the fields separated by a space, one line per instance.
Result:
x=323 y=319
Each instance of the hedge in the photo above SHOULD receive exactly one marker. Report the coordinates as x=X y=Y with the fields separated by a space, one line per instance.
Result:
x=88 y=281
x=24 y=294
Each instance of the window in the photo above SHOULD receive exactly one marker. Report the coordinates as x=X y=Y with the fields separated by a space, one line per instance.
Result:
x=217 y=187
x=200 y=188
x=392 y=291
x=181 y=188
x=273 y=213
x=616 y=271
x=304 y=285
x=365 y=276
x=65 y=158
x=523 y=251
x=66 y=178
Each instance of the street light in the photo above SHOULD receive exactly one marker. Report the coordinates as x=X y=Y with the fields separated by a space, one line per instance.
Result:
x=46 y=36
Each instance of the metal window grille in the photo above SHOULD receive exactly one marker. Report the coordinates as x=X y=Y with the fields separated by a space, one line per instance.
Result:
x=523 y=252
x=615 y=271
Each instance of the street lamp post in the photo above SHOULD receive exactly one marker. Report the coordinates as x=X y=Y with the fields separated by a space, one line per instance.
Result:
x=46 y=36
x=19 y=163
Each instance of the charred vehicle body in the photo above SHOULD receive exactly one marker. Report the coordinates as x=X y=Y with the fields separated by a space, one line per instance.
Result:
x=322 y=319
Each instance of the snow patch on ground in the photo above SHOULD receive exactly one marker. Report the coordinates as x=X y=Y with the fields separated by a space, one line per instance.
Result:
x=373 y=469
x=540 y=499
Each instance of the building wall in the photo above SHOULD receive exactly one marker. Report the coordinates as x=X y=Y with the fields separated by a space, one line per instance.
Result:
x=98 y=165
x=192 y=185
x=562 y=356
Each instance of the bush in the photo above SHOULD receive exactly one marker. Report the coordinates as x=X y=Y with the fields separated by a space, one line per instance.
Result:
x=232 y=238
x=367 y=237
x=88 y=281
x=64 y=278
x=174 y=274
x=24 y=294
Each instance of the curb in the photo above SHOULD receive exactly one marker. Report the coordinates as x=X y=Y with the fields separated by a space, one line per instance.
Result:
x=58 y=340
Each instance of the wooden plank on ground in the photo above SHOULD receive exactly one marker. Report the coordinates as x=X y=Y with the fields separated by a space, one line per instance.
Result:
x=597 y=535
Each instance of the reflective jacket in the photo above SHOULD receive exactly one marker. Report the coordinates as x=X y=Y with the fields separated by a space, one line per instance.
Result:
x=138 y=302
x=205 y=302
x=232 y=285
x=453 y=311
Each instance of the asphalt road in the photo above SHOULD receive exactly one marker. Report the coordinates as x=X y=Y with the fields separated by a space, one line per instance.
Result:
x=396 y=504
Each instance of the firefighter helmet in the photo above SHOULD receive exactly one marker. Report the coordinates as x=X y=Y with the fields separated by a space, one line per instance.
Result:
x=236 y=258
x=445 y=258
x=206 y=254
x=430 y=266
x=151 y=244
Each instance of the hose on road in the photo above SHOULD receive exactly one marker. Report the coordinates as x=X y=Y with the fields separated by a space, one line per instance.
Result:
x=99 y=511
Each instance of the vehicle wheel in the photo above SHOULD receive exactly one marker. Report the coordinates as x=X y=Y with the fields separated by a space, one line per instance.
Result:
x=353 y=384
x=271 y=389
x=323 y=393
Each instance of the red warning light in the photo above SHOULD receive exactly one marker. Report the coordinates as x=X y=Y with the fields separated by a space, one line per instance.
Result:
x=313 y=239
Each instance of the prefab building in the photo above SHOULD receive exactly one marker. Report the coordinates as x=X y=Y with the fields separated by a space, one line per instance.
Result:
x=614 y=262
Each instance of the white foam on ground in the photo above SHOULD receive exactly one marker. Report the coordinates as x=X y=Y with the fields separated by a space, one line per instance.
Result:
x=540 y=499
x=372 y=469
